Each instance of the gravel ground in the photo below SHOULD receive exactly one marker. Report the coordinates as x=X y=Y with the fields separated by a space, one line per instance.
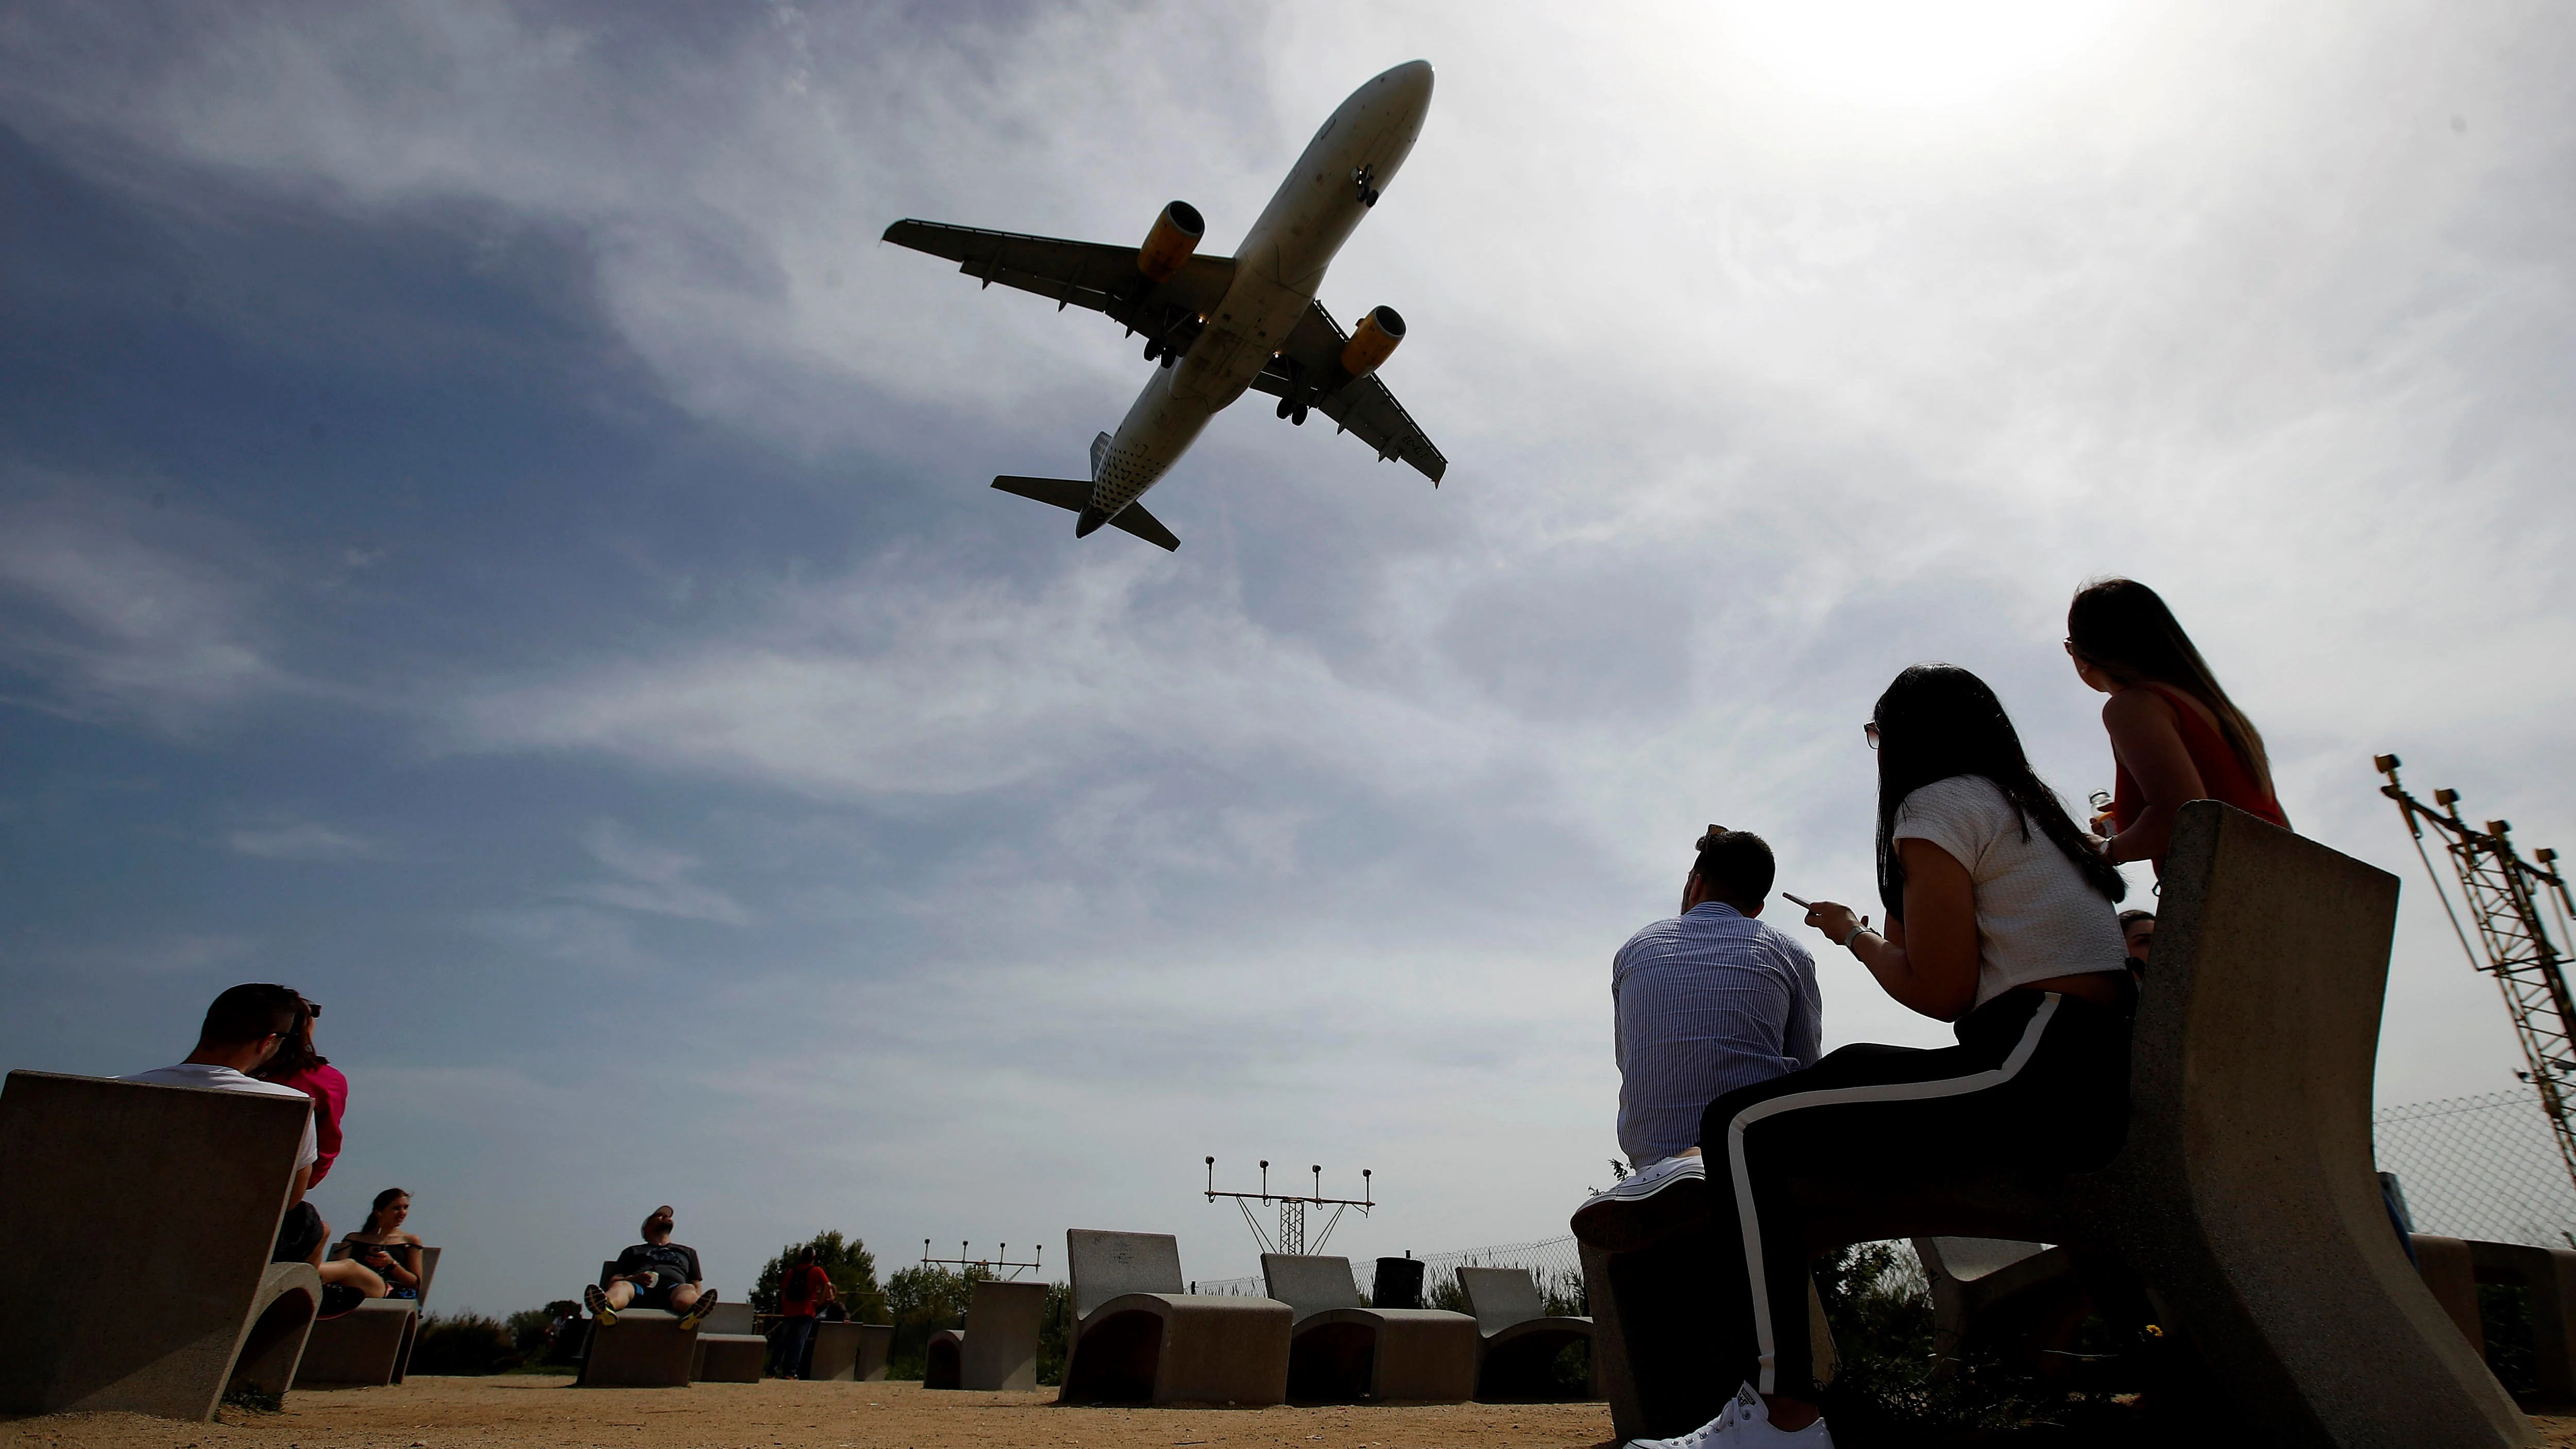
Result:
x=547 y=1413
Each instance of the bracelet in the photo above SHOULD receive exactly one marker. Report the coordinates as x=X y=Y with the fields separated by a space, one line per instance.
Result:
x=1856 y=934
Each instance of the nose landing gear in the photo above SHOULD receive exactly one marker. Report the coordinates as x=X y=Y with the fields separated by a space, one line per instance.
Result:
x=1364 y=179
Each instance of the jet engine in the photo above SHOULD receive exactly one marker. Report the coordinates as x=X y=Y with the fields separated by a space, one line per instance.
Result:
x=1168 y=246
x=1373 y=341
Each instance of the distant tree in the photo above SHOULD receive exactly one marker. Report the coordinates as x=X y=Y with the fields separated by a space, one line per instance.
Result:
x=462 y=1343
x=852 y=1268
x=1054 y=1326
x=920 y=1300
x=532 y=1329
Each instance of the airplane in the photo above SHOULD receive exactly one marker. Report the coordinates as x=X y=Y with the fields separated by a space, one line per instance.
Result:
x=1221 y=325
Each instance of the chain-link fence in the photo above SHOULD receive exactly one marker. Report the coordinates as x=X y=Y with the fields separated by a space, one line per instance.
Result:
x=2479 y=1167
x=2470 y=1167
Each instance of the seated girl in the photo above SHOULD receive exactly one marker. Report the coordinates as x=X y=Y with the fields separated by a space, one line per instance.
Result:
x=383 y=1246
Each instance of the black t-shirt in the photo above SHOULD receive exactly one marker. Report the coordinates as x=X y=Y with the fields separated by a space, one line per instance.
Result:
x=676 y=1264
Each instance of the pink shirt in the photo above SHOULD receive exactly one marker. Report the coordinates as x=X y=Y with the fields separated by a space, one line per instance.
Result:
x=330 y=1093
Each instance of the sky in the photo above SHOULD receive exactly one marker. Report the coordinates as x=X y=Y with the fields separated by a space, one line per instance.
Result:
x=489 y=537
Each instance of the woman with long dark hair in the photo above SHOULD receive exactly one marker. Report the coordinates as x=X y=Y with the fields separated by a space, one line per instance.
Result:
x=2175 y=735
x=384 y=1246
x=298 y=1065
x=1999 y=920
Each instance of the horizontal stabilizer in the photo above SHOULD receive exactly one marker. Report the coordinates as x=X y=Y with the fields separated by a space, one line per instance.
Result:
x=1074 y=495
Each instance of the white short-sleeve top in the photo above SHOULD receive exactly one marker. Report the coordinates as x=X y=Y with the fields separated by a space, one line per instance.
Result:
x=2037 y=916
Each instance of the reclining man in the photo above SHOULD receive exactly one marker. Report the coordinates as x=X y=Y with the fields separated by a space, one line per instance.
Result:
x=244 y=1028
x=1705 y=1002
x=655 y=1273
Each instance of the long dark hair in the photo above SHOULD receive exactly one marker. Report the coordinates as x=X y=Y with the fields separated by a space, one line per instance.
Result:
x=296 y=1053
x=1938 y=721
x=383 y=1201
x=2123 y=628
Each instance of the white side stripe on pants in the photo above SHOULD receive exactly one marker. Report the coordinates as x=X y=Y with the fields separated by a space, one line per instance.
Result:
x=1763 y=1336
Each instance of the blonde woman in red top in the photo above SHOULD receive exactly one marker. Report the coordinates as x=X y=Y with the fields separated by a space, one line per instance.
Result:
x=2175 y=735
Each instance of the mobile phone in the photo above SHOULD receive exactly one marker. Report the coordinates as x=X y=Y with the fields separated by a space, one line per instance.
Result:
x=1793 y=900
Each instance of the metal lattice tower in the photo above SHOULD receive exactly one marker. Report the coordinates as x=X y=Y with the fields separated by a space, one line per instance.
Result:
x=2503 y=893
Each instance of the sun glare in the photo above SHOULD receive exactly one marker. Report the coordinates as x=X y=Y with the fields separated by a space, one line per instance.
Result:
x=1914 y=52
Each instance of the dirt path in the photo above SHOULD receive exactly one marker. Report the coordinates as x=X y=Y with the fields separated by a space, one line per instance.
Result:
x=547 y=1413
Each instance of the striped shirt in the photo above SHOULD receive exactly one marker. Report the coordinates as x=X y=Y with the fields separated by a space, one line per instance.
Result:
x=1705 y=1003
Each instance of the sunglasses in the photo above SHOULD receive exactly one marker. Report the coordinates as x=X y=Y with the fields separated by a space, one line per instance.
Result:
x=1869 y=732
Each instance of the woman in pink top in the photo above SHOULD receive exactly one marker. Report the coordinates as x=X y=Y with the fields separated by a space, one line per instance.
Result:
x=299 y=1066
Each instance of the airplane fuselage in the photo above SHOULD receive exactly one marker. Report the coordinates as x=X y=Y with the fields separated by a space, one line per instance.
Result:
x=1278 y=270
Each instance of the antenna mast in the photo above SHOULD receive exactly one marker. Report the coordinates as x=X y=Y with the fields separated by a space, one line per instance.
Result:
x=2503 y=892
x=1292 y=1210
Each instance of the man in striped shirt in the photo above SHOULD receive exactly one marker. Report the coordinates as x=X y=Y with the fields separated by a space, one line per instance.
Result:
x=1706 y=1002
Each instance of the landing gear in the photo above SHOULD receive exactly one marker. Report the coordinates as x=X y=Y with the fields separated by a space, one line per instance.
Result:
x=1153 y=348
x=1281 y=411
x=1297 y=415
x=1170 y=357
x=1364 y=178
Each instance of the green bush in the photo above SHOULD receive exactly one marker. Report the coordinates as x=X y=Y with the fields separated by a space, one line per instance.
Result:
x=463 y=1343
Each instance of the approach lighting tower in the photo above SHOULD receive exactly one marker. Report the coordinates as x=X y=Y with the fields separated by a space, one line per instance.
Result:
x=965 y=1259
x=1292 y=1210
x=2504 y=894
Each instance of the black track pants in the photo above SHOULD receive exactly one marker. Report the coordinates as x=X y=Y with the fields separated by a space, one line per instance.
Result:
x=2038 y=1082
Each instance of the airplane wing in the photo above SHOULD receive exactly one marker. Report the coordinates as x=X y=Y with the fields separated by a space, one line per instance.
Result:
x=1096 y=275
x=1311 y=358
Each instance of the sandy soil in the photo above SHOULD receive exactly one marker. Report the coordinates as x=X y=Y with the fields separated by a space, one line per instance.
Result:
x=547 y=1413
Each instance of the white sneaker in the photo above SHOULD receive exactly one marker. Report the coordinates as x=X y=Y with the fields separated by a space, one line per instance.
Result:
x=1743 y=1424
x=1650 y=1204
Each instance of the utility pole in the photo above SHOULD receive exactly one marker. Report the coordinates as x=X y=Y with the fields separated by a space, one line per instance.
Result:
x=2503 y=893
x=1292 y=1209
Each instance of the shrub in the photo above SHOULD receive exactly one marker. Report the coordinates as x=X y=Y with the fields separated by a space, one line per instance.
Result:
x=463 y=1343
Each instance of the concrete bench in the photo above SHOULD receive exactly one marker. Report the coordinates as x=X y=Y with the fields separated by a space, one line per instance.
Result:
x=370 y=1345
x=851 y=1352
x=1002 y=1356
x=1520 y=1339
x=1340 y=1352
x=2452 y=1268
x=730 y=1347
x=2243 y=1206
x=1138 y=1337
x=2000 y=1292
x=645 y=1348
x=182 y=1188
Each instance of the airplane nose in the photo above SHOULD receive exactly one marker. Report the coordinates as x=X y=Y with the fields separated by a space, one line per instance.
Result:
x=1413 y=78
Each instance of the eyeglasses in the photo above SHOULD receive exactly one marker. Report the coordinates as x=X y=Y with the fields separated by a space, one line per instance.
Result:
x=1869 y=732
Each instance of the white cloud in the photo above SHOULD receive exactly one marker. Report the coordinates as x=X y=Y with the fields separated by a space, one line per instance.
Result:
x=306 y=840
x=119 y=626
x=655 y=881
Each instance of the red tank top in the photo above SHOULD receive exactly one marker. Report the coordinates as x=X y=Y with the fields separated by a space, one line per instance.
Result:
x=2223 y=777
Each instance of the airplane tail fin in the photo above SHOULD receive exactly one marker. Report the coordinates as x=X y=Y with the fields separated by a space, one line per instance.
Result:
x=1099 y=448
x=1074 y=496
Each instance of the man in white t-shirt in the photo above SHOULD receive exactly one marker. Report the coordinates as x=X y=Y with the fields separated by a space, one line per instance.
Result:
x=243 y=1029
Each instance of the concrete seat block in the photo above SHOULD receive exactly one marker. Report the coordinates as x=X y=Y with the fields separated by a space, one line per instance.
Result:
x=2000 y=1290
x=645 y=1348
x=178 y=1187
x=1339 y=1351
x=363 y=1348
x=851 y=1352
x=943 y=1359
x=2550 y=1276
x=1521 y=1339
x=1139 y=1338
x=728 y=1358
